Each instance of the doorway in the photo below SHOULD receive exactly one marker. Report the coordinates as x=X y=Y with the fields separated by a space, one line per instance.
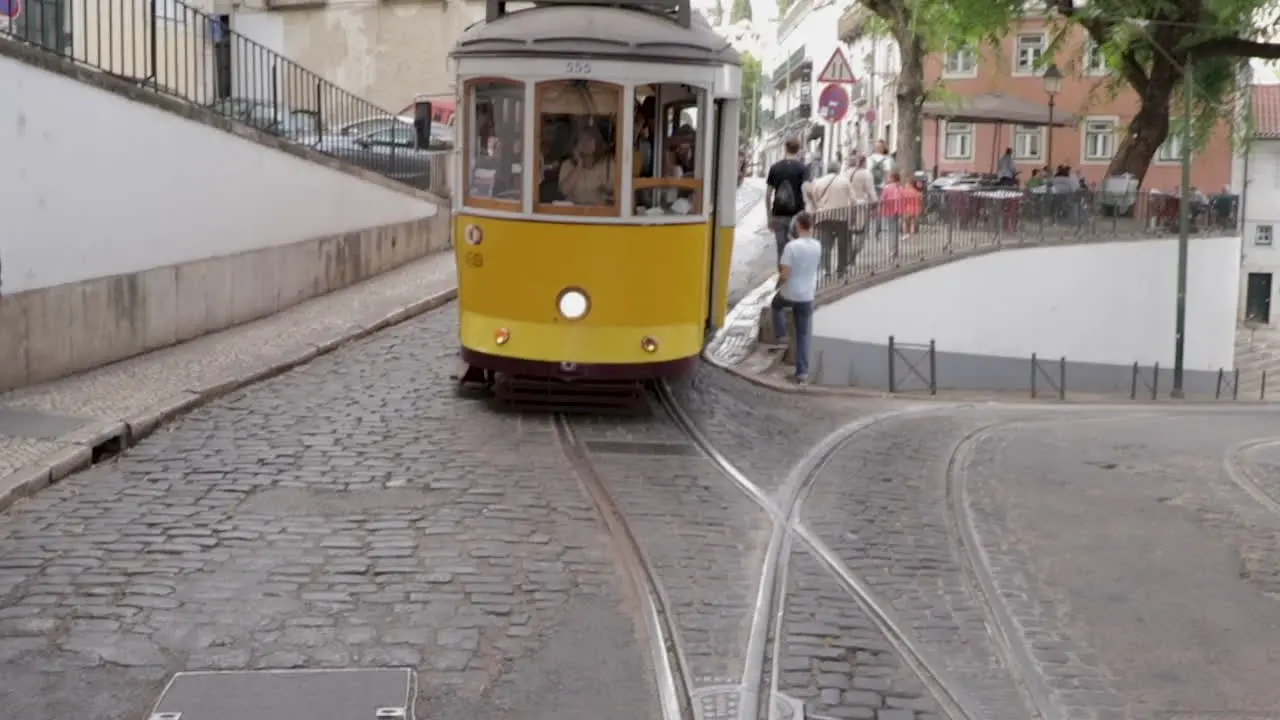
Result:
x=1257 y=299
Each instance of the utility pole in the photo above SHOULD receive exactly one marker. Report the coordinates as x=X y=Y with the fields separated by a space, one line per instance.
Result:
x=1184 y=235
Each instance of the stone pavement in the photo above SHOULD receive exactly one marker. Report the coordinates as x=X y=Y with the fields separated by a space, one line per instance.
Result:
x=51 y=430
x=1258 y=352
x=352 y=512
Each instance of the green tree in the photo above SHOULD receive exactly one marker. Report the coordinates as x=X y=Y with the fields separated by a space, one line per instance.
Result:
x=717 y=13
x=923 y=27
x=783 y=6
x=1212 y=36
x=749 y=117
x=741 y=11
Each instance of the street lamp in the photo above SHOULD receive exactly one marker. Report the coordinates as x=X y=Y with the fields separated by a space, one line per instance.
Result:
x=1052 y=86
x=1184 y=204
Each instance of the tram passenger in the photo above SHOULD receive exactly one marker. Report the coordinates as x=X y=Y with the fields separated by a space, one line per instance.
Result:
x=587 y=177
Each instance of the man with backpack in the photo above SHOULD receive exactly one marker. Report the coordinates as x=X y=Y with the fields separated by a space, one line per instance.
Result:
x=880 y=164
x=784 y=194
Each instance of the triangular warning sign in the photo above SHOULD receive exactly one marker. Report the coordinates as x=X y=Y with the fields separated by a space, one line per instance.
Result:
x=837 y=70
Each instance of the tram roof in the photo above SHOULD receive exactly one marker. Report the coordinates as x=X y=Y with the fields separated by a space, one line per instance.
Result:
x=639 y=30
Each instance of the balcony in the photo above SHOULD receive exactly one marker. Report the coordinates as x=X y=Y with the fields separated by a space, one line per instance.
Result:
x=797 y=68
x=853 y=23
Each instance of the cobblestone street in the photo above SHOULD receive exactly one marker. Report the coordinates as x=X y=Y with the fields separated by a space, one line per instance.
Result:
x=350 y=513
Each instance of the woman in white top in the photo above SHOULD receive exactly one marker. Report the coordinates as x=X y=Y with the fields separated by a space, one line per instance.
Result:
x=586 y=178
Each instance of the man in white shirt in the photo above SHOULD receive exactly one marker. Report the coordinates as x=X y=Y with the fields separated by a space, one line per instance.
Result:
x=865 y=197
x=831 y=197
x=797 y=288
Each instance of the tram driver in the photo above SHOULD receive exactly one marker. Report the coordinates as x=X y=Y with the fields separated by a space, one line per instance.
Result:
x=587 y=176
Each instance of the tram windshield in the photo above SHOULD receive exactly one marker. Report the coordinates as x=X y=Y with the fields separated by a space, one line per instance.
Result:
x=668 y=147
x=495 y=143
x=578 y=149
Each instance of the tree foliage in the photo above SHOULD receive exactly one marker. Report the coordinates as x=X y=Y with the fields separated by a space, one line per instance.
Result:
x=1149 y=43
x=749 y=116
x=922 y=27
x=741 y=11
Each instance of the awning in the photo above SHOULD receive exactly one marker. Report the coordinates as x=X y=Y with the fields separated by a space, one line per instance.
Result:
x=992 y=108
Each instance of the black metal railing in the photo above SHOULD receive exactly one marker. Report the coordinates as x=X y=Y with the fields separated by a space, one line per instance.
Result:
x=177 y=50
x=869 y=238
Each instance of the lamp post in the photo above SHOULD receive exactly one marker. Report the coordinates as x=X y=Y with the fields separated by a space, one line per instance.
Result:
x=1052 y=86
x=1184 y=235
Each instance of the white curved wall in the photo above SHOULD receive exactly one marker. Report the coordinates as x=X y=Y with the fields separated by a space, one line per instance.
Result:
x=1111 y=303
x=94 y=184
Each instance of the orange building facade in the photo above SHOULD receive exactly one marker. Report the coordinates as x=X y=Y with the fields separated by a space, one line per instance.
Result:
x=1015 y=70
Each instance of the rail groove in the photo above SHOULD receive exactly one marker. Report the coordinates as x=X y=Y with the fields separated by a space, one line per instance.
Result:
x=785 y=512
x=670 y=669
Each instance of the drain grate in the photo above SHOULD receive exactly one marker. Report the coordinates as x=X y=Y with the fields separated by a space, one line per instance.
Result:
x=351 y=694
x=652 y=449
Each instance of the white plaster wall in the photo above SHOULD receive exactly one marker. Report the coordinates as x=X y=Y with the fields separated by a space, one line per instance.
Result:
x=96 y=185
x=1105 y=303
x=1262 y=205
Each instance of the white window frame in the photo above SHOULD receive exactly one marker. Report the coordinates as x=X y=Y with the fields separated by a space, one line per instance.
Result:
x=1170 y=151
x=1089 y=159
x=1264 y=235
x=1024 y=132
x=1092 y=50
x=1033 y=68
x=962 y=71
x=958 y=130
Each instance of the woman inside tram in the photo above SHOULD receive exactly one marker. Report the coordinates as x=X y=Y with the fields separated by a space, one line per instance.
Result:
x=587 y=176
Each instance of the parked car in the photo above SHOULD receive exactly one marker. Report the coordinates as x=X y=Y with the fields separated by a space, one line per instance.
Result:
x=390 y=151
x=275 y=119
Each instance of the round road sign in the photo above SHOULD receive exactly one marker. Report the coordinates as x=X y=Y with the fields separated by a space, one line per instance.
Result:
x=11 y=9
x=833 y=102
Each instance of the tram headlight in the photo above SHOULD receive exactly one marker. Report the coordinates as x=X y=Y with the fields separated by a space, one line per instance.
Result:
x=573 y=304
x=501 y=336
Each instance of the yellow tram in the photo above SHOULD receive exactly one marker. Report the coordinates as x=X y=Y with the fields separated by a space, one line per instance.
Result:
x=596 y=182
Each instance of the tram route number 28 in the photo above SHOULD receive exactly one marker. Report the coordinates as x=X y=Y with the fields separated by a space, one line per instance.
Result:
x=577 y=67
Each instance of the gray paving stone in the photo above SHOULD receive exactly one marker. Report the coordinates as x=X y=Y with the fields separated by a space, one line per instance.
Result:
x=353 y=511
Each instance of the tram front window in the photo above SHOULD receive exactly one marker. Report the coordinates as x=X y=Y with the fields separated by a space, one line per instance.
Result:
x=668 y=145
x=495 y=127
x=578 y=147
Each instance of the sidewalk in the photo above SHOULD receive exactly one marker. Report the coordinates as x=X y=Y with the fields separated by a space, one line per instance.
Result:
x=52 y=430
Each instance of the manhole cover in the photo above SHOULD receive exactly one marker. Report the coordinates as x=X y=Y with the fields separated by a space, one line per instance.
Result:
x=618 y=447
x=355 y=694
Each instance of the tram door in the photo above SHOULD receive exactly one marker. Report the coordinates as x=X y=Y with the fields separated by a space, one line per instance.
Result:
x=712 y=186
x=722 y=125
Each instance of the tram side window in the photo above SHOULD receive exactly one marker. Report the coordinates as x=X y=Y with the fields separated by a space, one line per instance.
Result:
x=495 y=146
x=668 y=149
x=578 y=148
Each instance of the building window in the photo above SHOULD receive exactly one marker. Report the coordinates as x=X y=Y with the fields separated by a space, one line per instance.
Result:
x=1030 y=49
x=1027 y=143
x=961 y=63
x=1171 y=150
x=1099 y=139
x=959 y=141
x=1095 y=62
x=1262 y=235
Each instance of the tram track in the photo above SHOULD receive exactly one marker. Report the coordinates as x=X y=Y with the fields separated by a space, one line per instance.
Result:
x=1233 y=464
x=784 y=509
x=670 y=668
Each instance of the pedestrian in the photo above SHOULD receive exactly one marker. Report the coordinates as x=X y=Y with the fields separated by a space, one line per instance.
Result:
x=881 y=163
x=865 y=197
x=784 y=194
x=832 y=199
x=797 y=288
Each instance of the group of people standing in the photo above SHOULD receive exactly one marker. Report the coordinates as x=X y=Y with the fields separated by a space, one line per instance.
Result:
x=812 y=213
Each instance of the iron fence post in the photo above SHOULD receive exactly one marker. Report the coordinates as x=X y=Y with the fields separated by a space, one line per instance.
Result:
x=1235 y=385
x=892 y=384
x=1034 y=366
x=1062 y=378
x=1155 y=381
x=1262 y=394
x=1133 y=382
x=1217 y=391
x=933 y=367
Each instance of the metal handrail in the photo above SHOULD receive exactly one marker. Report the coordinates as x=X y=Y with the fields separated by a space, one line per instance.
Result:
x=177 y=50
